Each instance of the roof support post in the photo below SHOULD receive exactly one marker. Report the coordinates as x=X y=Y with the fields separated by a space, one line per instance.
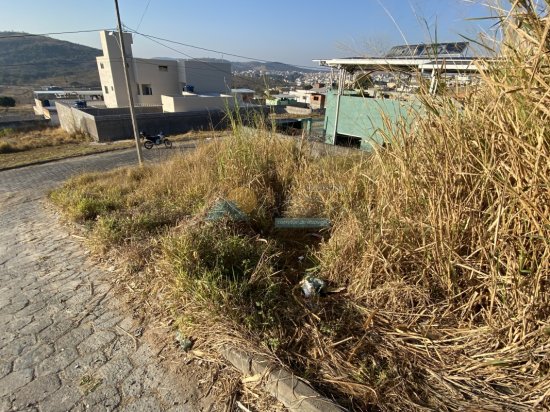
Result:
x=338 y=95
x=434 y=82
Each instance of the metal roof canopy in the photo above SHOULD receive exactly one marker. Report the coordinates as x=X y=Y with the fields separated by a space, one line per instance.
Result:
x=354 y=64
x=451 y=57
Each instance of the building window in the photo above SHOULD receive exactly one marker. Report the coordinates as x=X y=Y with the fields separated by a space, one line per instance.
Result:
x=101 y=65
x=146 y=90
x=163 y=68
x=106 y=89
x=112 y=87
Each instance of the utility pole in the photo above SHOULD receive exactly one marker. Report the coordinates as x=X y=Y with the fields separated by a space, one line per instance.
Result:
x=128 y=87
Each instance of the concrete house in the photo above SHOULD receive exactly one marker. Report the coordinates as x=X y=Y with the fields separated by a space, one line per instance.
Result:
x=153 y=78
x=173 y=96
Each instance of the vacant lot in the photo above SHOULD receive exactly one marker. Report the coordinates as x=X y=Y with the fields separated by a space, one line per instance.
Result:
x=436 y=263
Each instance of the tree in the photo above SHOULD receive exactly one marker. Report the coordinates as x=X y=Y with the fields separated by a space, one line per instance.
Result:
x=6 y=101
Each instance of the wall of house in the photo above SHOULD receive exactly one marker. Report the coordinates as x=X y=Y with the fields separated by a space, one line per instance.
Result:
x=301 y=96
x=111 y=70
x=317 y=101
x=164 y=77
x=205 y=77
x=243 y=97
x=161 y=75
x=366 y=118
x=194 y=102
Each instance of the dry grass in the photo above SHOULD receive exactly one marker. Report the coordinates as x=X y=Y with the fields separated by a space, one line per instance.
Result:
x=25 y=148
x=14 y=141
x=441 y=243
x=51 y=153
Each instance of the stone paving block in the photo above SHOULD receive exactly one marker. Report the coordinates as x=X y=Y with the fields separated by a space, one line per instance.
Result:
x=97 y=341
x=31 y=293
x=132 y=385
x=33 y=357
x=82 y=366
x=4 y=301
x=17 y=323
x=32 y=308
x=32 y=393
x=15 y=380
x=5 y=319
x=74 y=337
x=127 y=324
x=148 y=403
x=5 y=404
x=57 y=362
x=108 y=320
x=5 y=367
x=55 y=331
x=62 y=400
x=114 y=371
x=6 y=338
x=79 y=299
x=122 y=345
x=17 y=346
x=37 y=325
x=104 y=398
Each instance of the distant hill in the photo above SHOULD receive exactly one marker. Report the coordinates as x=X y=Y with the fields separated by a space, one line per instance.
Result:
x=269 y=66
x=39 y=60
x=254 y=65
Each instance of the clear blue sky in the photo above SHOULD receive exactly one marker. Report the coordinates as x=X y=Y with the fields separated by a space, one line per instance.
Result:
x=291 y=31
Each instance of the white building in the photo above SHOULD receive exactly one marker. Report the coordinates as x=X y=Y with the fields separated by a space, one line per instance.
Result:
x=150 y=79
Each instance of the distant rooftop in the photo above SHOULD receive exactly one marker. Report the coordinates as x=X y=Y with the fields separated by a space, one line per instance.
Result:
x=459 y=49
x=68 y=92
x=242 y=91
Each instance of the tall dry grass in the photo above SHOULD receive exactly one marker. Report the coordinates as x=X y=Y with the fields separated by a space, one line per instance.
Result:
x=12 y=141
x=447 y=234
x=440 y=242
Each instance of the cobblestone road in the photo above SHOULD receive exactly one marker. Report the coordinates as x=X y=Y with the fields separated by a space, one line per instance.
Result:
x=64 y=345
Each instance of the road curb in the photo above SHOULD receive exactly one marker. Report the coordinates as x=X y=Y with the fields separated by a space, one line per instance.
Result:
x=291 y=391
x=42 y=162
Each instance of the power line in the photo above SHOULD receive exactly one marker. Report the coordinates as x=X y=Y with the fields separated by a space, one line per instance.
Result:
x=218 y=51
x=51 y=34
x=143 y=14
x=162 y=39
x=41 y=63
x=194 y=58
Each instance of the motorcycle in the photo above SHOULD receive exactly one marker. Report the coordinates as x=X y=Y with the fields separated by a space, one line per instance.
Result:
x=158 y=139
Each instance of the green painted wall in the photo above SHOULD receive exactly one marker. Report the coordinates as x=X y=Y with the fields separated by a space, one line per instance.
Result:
x=365 y=117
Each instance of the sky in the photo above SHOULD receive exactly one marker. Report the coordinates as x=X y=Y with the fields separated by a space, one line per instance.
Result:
x=289 y=31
